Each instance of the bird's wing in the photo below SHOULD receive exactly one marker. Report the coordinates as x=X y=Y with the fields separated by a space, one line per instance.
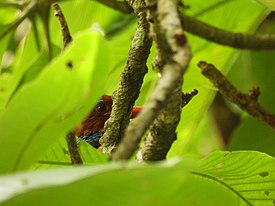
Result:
x=92 y=138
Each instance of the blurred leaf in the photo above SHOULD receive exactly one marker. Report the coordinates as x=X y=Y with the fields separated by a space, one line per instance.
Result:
x=24 y=57
x=253 y=135
x=53 y=103
x=6 y=79
x=268 y=3
x=116 y=184
x=7 y=15
x=34 y=68
x=223 y=178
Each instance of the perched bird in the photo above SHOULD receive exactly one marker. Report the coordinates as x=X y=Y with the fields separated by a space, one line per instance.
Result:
x=92 y=128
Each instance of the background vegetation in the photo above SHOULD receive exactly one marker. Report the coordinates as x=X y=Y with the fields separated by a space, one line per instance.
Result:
x=222 y=156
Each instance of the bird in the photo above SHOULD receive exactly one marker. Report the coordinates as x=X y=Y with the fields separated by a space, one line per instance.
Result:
x=92 y=128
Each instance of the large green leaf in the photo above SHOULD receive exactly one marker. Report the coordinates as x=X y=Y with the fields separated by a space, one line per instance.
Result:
x=116 y=184
x=46 y=108
x=223 y=178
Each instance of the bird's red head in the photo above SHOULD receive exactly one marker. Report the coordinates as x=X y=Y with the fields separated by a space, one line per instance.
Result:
x=99 y=115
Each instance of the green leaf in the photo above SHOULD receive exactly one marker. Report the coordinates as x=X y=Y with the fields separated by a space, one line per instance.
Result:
x=6 y=79
x=90 y=155
x=26 y=57
x=168 y=183
x=253 y=135
x=268 y=3
x=8 y=15
x=46 y=108
x=248 y=175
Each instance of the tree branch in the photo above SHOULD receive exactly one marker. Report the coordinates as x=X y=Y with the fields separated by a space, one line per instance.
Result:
x=236 y=40
x=174 y=56
x=64 y=27
x=73 y=149
x=247 y=102
x=131 y=80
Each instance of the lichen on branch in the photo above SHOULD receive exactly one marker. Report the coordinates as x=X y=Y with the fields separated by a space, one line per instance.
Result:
x=131 y=80
x=165 y=101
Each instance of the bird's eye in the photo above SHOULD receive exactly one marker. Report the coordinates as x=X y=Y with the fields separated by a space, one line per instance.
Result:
x=101 y=108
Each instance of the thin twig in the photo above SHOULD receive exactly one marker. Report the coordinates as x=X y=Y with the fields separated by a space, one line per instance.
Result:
x=247 y=102
x=175 y=50
x=64 y=27
x=236 y=40
x=131 y=80
x=73 y=149
x=187 y=97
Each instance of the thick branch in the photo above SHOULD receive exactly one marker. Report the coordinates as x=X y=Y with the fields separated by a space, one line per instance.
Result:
x=247 y=102
x=131 y=80
x=172 y=43
x=237 y=40
x=170 y=39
